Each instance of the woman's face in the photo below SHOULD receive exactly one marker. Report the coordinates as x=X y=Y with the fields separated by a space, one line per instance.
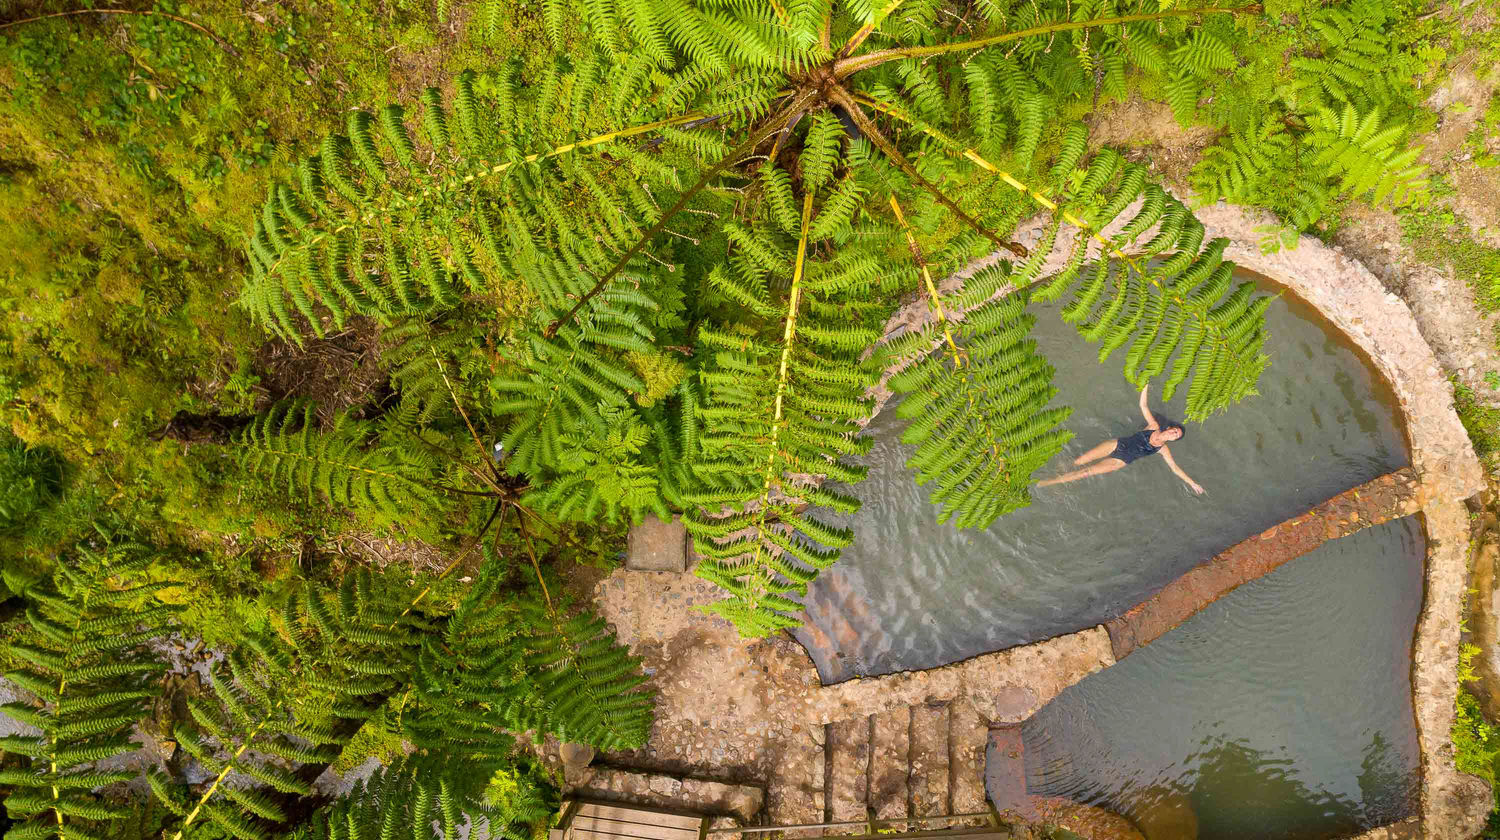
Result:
x=1171 y=434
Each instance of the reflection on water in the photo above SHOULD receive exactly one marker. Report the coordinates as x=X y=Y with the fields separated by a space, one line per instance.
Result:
x=1283 y=710
x=914 y=594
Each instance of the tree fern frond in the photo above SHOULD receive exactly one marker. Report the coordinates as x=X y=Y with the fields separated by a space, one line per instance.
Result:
x=100 y=677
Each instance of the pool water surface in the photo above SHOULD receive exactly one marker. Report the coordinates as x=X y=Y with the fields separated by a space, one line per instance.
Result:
x=1283 y=710
x=913 y=594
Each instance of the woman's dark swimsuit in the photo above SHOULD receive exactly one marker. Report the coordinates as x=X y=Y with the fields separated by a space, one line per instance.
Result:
x=1135 y=446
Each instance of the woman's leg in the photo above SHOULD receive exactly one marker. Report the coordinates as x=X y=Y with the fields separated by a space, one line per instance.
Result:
x=1096 y=453
x=1108 y=465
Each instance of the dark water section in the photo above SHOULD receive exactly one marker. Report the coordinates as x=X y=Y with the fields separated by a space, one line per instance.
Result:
x=1283 y=710
x=911 y=593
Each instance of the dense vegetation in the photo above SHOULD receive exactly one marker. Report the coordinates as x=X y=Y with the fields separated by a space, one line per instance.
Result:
x=296 y=307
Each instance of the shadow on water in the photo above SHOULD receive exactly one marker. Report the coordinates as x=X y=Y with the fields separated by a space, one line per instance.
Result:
x=1283 y=710
x=911 y=593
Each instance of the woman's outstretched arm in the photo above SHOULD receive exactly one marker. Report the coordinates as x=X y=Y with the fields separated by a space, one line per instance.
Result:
x=1146 y=412
x=1167 y=454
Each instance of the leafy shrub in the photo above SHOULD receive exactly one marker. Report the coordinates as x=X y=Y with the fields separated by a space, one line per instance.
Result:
x=1476 y=741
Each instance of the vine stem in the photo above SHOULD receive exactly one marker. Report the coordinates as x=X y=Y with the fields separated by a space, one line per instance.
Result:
x=1010 y=180
x=771 y=126
x=222 y=44
x=536 y=567
x=845 y=67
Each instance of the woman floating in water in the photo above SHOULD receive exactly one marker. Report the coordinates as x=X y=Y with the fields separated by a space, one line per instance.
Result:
x=1118 y=452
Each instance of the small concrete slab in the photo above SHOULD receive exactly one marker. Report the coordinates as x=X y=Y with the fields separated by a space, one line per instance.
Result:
x=657 y=546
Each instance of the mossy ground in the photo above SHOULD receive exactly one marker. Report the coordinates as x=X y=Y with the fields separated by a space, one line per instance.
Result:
x=131 y=148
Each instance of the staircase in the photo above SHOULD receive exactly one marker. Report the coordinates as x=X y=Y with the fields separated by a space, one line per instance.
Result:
x=920 y=761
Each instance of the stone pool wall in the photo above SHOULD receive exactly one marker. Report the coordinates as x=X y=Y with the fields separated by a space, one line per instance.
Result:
x=756 y=709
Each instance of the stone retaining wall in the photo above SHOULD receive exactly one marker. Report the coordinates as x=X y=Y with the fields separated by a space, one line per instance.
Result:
x=1007 y=687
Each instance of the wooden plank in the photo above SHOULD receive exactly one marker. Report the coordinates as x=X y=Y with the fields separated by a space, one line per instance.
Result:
x=658 y=829
x=587 y=827
x=569 y=809
x=632 y=813
x=576 y=833
x=633 y=828
x=629 y=831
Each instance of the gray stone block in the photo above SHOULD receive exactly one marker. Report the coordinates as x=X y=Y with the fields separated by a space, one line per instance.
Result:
x=657 y=546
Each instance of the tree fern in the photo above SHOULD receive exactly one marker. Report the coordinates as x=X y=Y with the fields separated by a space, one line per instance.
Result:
x=286 y=702
x=588 y=684
x=91 y=676
x=339 y=464
x=705 y=182
x=368 y=228
x=603 y=476
x=780 y=416
x=461 y=796
x=977 y=411
x=429 y=363
x=1173 y=301
x=470 y=688
x=248 y=729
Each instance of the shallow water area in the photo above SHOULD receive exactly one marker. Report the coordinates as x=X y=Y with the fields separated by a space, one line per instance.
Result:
x=913 y=594
x=1283 y=710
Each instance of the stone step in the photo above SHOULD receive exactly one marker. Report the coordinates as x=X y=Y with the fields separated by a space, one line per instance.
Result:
x=968 y=735
x=928 y=782
x=795 y=793
x=849 y=776
x=1005 y=773
x=890 y=760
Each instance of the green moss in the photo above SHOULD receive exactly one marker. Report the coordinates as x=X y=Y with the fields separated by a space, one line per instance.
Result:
x=129 y=150
x=1440 y=237
x=1481 y=421
x=373 y=740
